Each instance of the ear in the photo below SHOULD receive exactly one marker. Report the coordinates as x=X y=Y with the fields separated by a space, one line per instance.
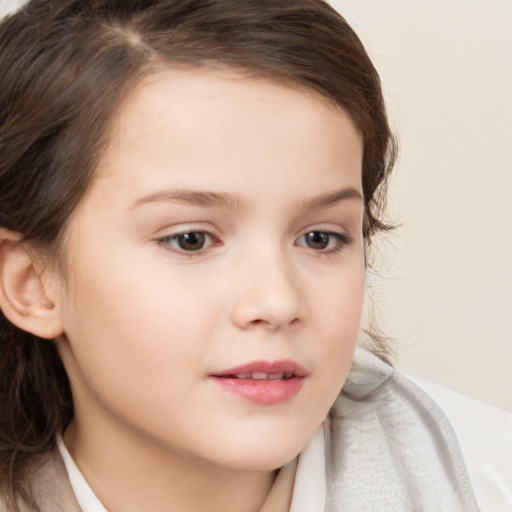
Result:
x=24 y=297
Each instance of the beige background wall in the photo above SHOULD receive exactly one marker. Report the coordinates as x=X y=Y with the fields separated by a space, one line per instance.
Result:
x=445 y=294
x=445 y=290
x=9 y=5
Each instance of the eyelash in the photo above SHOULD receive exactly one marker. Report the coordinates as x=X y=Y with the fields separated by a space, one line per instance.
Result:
x=167 y=242
x=342 y=240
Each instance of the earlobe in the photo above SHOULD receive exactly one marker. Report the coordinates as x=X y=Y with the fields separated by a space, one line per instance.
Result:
x=23 y=296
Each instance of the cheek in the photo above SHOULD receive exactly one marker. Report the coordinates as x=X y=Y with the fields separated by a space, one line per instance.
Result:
x=126 y=329
x=338 y=318
x=339 y=299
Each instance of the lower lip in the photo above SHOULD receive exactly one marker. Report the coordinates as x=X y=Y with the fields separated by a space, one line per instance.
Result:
x=265 y=391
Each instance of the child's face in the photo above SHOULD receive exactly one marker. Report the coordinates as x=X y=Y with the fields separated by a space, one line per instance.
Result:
x=223 y=228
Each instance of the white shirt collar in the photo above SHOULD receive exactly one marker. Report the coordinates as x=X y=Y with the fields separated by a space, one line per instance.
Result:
x=87 y=500
x=309 y=490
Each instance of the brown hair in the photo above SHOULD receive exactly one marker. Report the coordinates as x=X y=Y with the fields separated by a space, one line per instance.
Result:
x=64 y=67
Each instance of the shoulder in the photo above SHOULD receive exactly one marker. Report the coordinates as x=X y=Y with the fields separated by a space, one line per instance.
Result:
x=391 y=446
x=47 y=481
x=485 y=436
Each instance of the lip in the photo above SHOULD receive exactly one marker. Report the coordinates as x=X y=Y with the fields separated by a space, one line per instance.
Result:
x=270 y=390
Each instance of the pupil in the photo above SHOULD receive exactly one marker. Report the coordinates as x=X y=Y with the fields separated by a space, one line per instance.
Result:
x=191 y=241
x=317 y=240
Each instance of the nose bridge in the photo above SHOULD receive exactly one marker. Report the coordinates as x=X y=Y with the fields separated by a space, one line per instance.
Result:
x=267 y=289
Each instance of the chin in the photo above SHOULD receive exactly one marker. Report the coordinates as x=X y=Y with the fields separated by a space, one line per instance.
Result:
x=264 y=453
x=263 y=462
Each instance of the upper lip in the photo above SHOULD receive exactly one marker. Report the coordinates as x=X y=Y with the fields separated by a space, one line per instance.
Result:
x=286 y=366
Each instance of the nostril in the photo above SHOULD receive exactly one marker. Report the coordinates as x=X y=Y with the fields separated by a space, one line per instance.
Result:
x=259 y=322
x=294 y=322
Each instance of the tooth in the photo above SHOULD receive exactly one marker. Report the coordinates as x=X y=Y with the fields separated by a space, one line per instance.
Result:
x=259 y=375
x=288 y=375
x=275 y=376
x=242 y=375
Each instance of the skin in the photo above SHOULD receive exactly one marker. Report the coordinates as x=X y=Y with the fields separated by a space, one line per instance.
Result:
x=145 y=323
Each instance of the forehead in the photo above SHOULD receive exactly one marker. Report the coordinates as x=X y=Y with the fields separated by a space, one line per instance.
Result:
x=206 y=126
x=190 y=98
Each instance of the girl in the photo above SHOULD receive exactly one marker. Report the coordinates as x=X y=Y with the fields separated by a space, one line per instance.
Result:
x=189 y=189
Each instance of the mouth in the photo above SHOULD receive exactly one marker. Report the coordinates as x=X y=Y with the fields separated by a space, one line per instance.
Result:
x=262 y=382
x=261 y=376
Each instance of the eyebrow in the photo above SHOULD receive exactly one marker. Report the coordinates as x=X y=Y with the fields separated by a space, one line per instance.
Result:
x=331 y=198
x=207 y=199
x=193 y=197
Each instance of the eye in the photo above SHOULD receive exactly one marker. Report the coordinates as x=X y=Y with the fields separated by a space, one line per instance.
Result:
x=324 y=241
x=191 y=241
x=317 y=240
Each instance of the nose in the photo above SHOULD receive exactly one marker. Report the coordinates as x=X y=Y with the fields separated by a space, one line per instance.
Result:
x=267 y=294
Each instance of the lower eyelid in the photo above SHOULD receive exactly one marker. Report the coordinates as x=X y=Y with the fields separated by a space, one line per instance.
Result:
x=343 y=237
